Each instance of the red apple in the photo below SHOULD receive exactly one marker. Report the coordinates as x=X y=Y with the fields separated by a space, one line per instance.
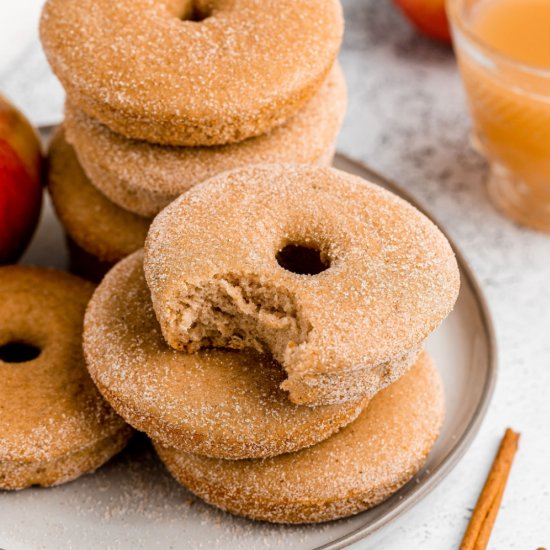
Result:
x=20 y=182
x=429 y=16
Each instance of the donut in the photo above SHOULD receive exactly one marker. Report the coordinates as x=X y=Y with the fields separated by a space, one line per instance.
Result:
x=191 y=72
x=339 y=279
x=219 y=403
x=144 y=178
x=55 y=424
x=354 y=470
x=100 y=233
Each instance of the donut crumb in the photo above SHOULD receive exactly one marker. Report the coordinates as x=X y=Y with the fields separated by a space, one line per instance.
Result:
x=238 y=312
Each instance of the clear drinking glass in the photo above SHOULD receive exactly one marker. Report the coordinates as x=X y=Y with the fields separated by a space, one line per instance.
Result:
x=510 y=106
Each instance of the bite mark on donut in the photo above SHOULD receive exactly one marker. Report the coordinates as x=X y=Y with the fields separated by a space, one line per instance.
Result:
x=236 y=311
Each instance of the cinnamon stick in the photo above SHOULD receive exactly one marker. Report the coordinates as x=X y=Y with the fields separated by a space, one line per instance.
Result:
x=483 y=517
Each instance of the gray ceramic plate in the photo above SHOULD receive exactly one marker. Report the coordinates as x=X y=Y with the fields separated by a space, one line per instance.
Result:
x=132 y=503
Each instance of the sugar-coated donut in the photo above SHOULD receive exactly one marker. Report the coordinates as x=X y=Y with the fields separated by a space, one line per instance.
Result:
x=220 y=403
x=55 y=424
x=356 y=469
x=339 y=279
x=100 y=232
x=144 y=178
x=149 y=69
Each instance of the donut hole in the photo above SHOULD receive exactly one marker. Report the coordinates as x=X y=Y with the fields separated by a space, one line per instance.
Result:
x=302 y=260
x=19 y=352
x=196 y=13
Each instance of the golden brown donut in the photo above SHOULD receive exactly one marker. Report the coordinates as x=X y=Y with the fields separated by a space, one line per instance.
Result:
x=100 y=232
x=55 y=424
x=356 y=469
x=339 y=279
x=219 y=403
x=191 y=72
x=144 y=178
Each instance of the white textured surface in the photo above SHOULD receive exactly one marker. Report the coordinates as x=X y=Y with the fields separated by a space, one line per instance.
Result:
x=24 y=73
x=407 y=118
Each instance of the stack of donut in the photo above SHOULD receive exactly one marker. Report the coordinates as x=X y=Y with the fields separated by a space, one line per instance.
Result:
x=269 y=340
x=269 y=336
x=163 y=94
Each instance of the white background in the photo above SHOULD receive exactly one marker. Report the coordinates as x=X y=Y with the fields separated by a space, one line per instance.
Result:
x=408 y=119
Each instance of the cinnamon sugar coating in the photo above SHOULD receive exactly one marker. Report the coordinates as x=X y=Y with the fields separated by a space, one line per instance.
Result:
x=144 y=178
x=356 y=469
x=385 y=276
x=149 y=70
x=220 y=403
x=55 y=424
x=99 y=227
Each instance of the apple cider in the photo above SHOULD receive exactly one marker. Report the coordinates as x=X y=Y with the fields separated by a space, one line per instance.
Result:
x=503 y=49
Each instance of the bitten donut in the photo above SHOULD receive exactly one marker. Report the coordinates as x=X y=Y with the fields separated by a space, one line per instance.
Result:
x=55 y=424
x=191 y=72
x=339 y=279
x=144 y=178
x=100 y=233
x=356 y=469
x=219 y=403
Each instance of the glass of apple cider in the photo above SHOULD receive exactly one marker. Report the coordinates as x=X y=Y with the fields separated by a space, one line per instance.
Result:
x=503 y=51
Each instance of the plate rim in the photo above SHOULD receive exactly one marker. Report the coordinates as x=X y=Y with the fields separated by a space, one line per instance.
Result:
x=438 y=474
x=462 y=444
